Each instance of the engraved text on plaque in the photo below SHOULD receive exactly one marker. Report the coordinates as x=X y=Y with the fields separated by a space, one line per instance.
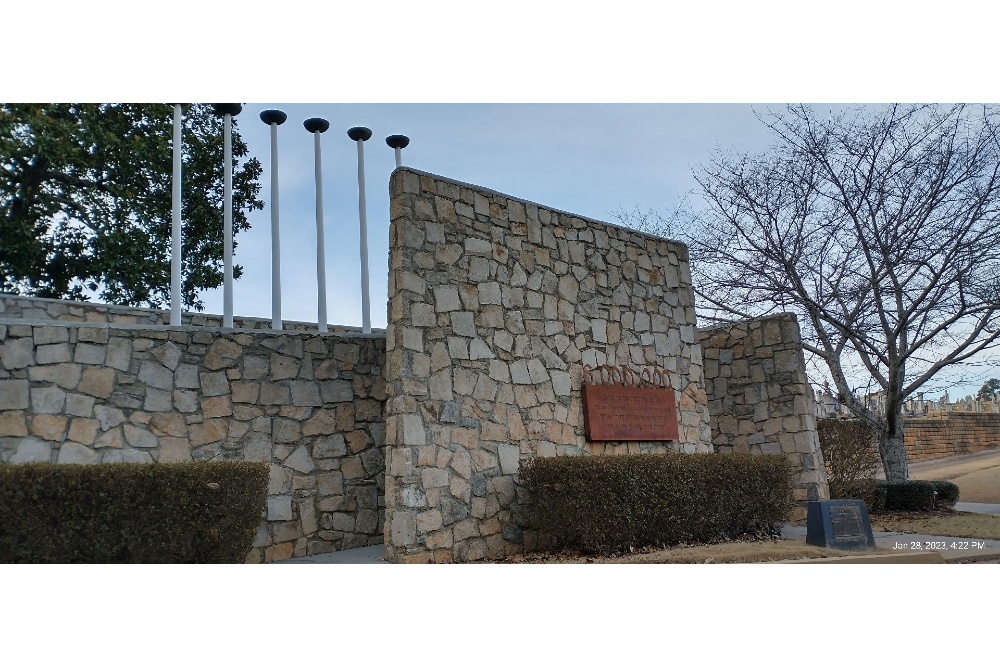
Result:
x=629 y=413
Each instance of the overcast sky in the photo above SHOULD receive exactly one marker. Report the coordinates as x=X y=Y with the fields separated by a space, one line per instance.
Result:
x=589 y=159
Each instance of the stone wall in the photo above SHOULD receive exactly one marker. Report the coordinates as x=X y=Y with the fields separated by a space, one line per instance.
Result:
x=955 y=433
x=759 y=397
x=13 y=306
x=495 y=305
x=309 y=405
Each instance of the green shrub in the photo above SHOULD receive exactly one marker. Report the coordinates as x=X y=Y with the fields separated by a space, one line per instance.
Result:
x=130 y=513
x=911 y=495
x=947 y=493
x=609 y=504
x=865 y=489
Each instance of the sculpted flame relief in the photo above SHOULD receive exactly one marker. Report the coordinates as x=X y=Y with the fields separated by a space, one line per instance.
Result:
x=623 y=376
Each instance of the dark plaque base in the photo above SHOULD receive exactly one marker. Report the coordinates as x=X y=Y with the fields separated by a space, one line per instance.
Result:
x=839 y=524
x=629 y=413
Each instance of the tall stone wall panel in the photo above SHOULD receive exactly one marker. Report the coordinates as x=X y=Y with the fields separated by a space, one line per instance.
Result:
x=759 y=400
x=495 y=306
x=13 y=306
x=310 y=406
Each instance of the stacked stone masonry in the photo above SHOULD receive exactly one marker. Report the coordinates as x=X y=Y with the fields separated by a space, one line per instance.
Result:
x=13 y=306
x=311 y=406
x=759 y=398
x=414 y=436
x=957 y=433
x=495 y=306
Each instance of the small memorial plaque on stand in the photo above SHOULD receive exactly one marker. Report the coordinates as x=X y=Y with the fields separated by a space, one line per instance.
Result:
x=839 y=524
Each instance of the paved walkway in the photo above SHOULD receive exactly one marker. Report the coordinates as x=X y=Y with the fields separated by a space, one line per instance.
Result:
x=950 y=548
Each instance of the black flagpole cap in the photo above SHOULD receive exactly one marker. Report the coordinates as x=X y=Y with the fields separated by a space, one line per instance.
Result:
x=359 y=133
x=231 y=109
x=397 y=141
x=274 y=116
x=316 y=124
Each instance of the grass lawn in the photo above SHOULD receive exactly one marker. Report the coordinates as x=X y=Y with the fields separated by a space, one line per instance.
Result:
x=944 y=523
x=729 y=552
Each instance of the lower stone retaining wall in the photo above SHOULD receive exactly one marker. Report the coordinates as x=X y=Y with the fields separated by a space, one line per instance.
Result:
x=759 y=400
x=310 y=405
x=957 y=433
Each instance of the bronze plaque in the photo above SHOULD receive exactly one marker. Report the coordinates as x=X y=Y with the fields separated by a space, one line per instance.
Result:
x=629 y=413
x=846 y=522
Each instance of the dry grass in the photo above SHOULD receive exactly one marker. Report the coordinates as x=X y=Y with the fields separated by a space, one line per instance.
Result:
x=730 y=552
x=943 y=523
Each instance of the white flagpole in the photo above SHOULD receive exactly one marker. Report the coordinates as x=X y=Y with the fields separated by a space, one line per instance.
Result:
x=227 y=111
x=361 y=135
x=398 y=142
x=317 y=126
x=274 y=118
x=175 y=251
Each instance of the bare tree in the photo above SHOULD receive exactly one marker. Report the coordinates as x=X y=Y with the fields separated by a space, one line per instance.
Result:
x=879 y=228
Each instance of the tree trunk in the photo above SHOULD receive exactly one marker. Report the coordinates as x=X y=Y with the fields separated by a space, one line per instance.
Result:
x=892 y=450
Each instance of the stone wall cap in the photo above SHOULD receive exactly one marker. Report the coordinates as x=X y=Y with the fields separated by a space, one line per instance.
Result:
x=140 y=326
x=480 y=188
x=730 y=324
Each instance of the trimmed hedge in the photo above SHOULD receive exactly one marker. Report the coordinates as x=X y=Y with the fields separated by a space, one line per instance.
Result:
x=130 y=513
x=947 y=493
x=918 y=495
x=610 y=504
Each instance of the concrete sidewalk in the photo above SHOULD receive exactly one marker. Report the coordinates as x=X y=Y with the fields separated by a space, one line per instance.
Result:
x=952 y=549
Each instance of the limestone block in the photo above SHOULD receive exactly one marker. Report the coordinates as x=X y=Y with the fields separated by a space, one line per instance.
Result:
x=89 y=354
x=174 y=450
x=185 y=376
x=127 y=456
x=71 y=452
x=83 y=431
x=47 y=400
x=112 y=439
x=50 y=334
x=212 y=430
x=305 y=394
x=279 y=508
x=322 y=422
x=16 y=353
x=97 y=382
x=254 y=367
x=157 y=400
x=51 y=354
x=283 y=367
x=217 y=384
x=139 y=437
x=32 y=450
x=49 y=427
x=446 y=299
x=12 y=423
x=221 y=354
x=119 y=353
x=13 y=394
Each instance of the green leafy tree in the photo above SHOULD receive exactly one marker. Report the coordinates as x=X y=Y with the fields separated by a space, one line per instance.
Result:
x=990 y=391
x=85 y=201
